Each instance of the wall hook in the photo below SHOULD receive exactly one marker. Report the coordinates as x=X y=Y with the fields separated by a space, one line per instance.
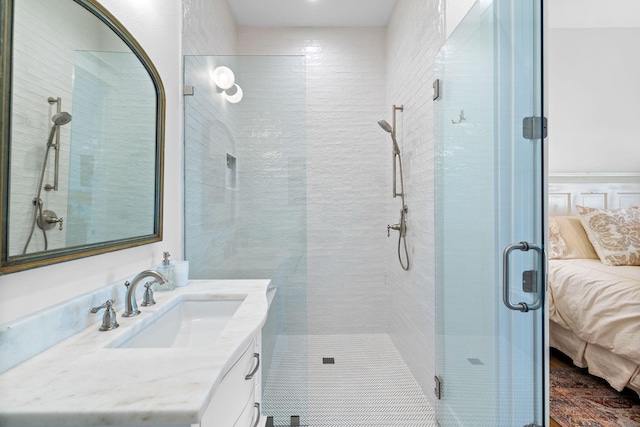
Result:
x=462 y=117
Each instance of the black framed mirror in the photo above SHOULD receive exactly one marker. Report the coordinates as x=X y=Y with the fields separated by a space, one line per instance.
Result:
x=82 y=124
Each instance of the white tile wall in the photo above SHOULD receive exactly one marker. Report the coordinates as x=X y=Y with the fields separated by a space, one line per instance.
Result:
x=348 y=170
x=209 y=28
x=211 y=214
x=415 y=33
x=258 y=228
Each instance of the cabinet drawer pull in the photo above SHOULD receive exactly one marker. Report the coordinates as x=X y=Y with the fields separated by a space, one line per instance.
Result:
x=250 y=376
x=257 y=414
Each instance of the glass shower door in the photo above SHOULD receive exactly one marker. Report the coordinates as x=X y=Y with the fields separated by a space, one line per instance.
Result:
x=490 y=360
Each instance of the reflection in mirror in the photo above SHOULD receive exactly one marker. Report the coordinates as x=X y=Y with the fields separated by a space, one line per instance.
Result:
x=84 y=158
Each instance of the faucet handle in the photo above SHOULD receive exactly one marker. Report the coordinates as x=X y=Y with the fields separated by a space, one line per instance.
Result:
x=109 y=318
x=147 y=298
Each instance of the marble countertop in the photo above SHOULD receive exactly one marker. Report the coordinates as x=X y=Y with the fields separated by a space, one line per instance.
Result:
x=82 y=382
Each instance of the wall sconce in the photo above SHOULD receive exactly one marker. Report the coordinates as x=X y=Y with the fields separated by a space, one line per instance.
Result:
x=224 y=79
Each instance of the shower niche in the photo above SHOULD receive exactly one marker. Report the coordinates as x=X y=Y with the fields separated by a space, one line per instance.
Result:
x=231 y=172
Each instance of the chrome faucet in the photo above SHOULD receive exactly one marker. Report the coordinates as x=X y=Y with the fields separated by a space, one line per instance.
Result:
x=130 y=304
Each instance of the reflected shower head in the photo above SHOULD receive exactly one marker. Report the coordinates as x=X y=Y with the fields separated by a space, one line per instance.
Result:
x=61 y=118
x=385 y=125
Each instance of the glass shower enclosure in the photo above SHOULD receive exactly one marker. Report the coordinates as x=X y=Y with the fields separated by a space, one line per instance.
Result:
x=490 y=278
x=245 y=201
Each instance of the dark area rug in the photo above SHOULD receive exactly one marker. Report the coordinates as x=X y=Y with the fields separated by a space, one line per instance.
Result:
x=580 y=399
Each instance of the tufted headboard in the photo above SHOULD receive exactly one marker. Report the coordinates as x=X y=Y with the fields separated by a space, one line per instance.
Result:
x=604 y=191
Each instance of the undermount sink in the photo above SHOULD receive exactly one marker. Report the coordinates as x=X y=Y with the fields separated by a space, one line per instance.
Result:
x=190 y=323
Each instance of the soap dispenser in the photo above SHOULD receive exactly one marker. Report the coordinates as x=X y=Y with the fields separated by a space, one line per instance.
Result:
x=168 y=270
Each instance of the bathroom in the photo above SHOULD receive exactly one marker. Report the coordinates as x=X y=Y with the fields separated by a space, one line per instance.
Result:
x=354 y=75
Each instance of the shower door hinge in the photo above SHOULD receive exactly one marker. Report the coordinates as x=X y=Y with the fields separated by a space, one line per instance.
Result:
x=436 y=89
x=187 y=90
x=534 y=127
x=438 y=389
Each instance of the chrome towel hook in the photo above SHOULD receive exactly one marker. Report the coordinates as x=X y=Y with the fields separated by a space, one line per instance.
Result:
x=462 y=117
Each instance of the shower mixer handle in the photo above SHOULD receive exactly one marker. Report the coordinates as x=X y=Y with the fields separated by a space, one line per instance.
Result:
x=48 y=220
x=393 y=227
x=55 y=221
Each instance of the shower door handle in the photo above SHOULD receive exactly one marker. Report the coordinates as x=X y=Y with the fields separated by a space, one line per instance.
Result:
x=541 y=273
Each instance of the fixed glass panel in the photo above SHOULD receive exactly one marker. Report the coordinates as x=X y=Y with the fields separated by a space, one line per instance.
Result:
x=245 y=201
x=489 y=359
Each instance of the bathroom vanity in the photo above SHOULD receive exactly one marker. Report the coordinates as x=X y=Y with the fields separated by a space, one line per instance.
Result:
x=107 y=378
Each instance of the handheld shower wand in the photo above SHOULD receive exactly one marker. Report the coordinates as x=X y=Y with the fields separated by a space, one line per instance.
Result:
x=391 y=130
x=387 y=127
x=58 y=119
x=397 y=159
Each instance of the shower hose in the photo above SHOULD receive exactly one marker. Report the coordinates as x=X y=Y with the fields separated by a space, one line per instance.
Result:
x=37 y=209
x=37 y=201
x=402 y=237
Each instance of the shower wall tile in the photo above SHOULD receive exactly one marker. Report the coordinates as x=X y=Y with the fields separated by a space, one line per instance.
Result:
x=209 y=28
x=211 y=214
x=255 y=228
x=348 y=171
x=414 y=35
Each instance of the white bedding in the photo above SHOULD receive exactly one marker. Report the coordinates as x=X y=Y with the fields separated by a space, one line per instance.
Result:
x=598 y=303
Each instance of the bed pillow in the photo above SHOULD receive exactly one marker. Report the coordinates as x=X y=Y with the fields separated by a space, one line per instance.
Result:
x=568 y=240
x=615 y=234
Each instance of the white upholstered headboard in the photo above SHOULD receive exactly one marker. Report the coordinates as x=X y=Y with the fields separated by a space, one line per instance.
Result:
x=604 y=191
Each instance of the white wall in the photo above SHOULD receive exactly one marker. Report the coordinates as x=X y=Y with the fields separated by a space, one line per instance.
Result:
x=594 y=90
x=348 y=170
x=156 y=25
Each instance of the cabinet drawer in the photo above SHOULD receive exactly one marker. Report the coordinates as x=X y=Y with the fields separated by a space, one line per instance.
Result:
x=233 y=392
x=250 y=414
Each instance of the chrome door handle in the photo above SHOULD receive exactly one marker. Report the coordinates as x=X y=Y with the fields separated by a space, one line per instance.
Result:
x=522 y=306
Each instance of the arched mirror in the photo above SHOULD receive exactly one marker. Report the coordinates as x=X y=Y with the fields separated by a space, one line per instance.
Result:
x=82 y=125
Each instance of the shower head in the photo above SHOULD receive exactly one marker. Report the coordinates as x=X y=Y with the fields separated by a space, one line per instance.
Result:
x=385 y=125
x=61 y=118
x=387 y=128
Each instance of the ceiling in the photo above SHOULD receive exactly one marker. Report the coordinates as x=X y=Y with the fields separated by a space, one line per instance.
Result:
x=312 y=13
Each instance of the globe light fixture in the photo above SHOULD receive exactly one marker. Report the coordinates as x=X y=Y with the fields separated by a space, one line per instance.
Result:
x=223 y=77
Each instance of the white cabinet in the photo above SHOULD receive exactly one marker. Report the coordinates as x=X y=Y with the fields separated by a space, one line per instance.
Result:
x=235 y=402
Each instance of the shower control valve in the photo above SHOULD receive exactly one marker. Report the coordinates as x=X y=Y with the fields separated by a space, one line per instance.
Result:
x=393 y=227
x=48 y=220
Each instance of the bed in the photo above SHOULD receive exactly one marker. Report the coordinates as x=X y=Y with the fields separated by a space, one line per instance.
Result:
x=594 y=274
